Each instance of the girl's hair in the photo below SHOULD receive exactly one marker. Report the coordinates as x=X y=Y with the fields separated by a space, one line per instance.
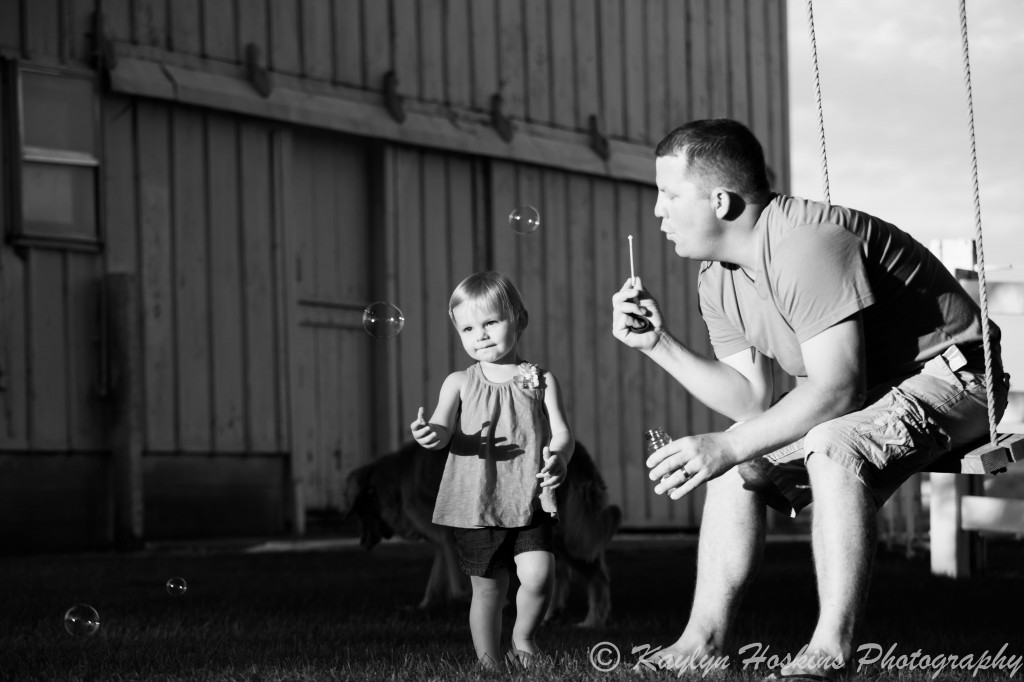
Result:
x=494 y=290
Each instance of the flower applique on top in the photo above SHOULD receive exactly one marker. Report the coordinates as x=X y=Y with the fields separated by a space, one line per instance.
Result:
x=528 y=376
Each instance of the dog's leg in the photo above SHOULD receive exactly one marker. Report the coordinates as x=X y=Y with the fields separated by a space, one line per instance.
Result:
x=560 y=590
x=599 y=600
x=457 y=583
x=435 y=595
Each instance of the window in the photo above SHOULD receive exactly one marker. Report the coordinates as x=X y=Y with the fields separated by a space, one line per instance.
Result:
x=52 y=124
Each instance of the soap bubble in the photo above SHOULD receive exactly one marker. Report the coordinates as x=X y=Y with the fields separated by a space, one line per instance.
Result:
x=176 y=586
x=81 y=620
x=382 y=320
x=524 y=220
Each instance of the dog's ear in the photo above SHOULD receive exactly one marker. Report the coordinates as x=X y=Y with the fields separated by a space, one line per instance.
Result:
x=357 y=485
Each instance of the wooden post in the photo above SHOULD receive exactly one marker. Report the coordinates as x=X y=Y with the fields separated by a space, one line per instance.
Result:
x=126 y=407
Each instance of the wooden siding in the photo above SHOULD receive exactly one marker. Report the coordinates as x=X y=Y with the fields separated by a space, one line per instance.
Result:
x=220 y=202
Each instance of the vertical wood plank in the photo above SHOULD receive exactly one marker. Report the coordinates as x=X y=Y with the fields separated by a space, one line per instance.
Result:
x=354 y=438
x=409 y=216
x=563 y=86
x=155 y=248
x=778 y=93
x=119 y=189
x=538 y=62
x=635 y=92
x=485 y=44
x=531 y=278
x=406 y=46
x=262 y=383
x=461 y=225
x=82 y=320
x=10 y=27
x=329 y=415
x=560 y=321
x=317 y=40
x=117 y=18
x=191 y=269
x=437 y=274
x=608 y=370
x=186 y=30
x=377 y=47
x=632 y=381
x=219 y=31
x=252 y=18
x=348 y=42
x=13 y=353
x=293 y=175
x=699 y=71
x=586 y=76
x=150 y=18
x=511 y=58
x=739 y=68
x=42 y=39
x=610 y=49
x=458 y=51
x=592 y=312
x=432 y=47
x=47 y=363
x=81 y=24
x=227 y=344
x=760 y=113
x=678 y=51
x=658 y=89
x=285 y=37
x=504 y=190
x=325 y=240
x=718 y=58
x=650 y=246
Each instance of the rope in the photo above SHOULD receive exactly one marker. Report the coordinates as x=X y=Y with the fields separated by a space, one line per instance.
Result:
x=980 y=249
x=817 y=96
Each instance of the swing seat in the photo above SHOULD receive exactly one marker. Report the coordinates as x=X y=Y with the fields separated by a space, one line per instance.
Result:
x=983 y=456
x=959 y=507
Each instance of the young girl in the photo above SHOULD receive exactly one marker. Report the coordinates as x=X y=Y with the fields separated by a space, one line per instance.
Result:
x=510 y=445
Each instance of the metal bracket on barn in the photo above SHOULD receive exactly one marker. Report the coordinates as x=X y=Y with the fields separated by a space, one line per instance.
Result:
x=257 y=74
x=392 y=100
x=598 y=140
x=502 y=123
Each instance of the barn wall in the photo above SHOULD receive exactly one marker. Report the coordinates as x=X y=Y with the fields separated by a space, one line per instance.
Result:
x=207 y=112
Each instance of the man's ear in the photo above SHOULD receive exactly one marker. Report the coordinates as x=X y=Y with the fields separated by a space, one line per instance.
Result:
x=721 y=201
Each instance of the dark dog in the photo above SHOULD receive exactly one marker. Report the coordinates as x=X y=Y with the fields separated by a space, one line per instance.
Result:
x=395 y=494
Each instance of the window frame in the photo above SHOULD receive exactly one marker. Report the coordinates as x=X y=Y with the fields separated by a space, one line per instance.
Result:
x=18 y=155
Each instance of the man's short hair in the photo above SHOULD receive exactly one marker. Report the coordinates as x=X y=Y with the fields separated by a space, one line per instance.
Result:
x=720 y=152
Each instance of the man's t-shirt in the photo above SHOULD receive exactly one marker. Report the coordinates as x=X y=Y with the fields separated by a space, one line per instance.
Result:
x=817 y=265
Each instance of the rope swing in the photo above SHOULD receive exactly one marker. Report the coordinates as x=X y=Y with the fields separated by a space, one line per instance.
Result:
x=1002 y=449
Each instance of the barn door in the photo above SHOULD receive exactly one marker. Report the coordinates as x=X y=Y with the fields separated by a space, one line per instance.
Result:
x=328 y=247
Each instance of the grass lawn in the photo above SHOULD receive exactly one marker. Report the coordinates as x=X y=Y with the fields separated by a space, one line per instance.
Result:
x=344 y=614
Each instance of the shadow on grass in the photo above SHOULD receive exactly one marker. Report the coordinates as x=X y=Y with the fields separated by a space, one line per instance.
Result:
x=345 y=614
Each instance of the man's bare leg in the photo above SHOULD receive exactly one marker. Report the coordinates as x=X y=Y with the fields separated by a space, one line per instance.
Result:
x=728 y=554
x=843 y=536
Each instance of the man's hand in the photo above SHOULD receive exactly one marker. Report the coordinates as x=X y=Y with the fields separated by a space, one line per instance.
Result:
x=686 y=463
x=554 y=470
x=425 y=434
x=630 y=306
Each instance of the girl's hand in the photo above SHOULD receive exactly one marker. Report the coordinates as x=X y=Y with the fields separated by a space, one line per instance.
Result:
x=554 y=470
x=424 y=433
x=631 y=307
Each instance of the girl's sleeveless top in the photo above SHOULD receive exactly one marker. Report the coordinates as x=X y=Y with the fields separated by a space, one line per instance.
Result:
x=490 y=478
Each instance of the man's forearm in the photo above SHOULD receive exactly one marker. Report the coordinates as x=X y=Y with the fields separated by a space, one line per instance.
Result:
x=789 y=420
x=714 y=383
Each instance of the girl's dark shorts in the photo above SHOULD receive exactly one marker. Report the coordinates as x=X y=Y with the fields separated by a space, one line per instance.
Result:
x=485 y=552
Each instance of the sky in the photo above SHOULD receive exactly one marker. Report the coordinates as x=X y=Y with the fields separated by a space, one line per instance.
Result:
x=896 y=123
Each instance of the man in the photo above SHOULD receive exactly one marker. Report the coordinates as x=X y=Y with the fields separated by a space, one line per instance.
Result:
x=886 y=347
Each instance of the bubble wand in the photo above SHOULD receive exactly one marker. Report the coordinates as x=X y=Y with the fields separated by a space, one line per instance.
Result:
x=642 y=324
